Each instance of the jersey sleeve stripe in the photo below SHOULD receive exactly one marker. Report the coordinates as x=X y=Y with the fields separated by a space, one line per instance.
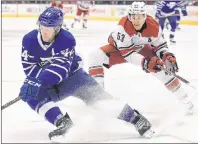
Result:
x=127 y=47
x=60 y=77
x=60 y=60
x=56 y=65
x=31 y=70
x=38 y=73
x=27 y=68
x=25 y=62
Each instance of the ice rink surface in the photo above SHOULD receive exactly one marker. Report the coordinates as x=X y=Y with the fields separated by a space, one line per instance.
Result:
x=143 y=91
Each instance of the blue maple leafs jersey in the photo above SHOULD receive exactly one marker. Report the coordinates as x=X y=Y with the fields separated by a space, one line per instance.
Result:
x=49 y=63
x=167 y=8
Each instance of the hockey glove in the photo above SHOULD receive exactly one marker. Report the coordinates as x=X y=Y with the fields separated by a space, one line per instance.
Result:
x=184 y=12
x=170 y=62
x=150 y=64
x=30 y=89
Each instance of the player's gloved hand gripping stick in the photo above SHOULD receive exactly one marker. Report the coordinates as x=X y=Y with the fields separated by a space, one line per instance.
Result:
x=29 y=90
x=177 y=76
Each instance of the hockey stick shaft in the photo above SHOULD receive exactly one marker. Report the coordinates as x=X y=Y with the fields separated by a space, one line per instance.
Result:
x=10 y=103
x=177 y=76
x=170 y=16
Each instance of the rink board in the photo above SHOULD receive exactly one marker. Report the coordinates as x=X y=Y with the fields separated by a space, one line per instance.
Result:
x=99 y=13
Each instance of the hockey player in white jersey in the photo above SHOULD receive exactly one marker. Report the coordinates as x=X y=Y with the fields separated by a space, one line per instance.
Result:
x=59 y=4
x=83 y=8
x=138 y=40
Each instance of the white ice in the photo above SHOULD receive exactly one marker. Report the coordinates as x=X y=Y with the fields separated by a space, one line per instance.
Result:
x=143 y=91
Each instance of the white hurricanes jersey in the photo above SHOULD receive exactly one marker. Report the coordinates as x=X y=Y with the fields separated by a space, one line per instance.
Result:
x=127 y=40
x=84 y=5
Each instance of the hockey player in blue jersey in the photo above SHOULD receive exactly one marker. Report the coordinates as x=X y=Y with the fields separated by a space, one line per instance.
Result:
x=181 y=11
x=53 y=73
x=166 y=10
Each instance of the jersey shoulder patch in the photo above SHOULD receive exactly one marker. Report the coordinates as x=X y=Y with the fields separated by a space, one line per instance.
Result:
x=30 y=38
x=152 y=27
x=123 y=20
x=67 y=38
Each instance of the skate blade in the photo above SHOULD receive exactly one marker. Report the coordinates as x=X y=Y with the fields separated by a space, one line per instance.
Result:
x=149 y=133
x=58 y=139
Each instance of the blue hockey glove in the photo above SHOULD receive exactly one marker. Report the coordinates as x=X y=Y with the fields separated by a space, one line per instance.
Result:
x=30 y=89
x=184 y=12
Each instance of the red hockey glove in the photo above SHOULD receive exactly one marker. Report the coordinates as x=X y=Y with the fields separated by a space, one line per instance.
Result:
x=170 y=62
x=150 y=64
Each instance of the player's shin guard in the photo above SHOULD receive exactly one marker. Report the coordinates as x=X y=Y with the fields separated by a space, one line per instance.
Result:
x=85 y=18
x=97 y=58
x=97 y=72
x=63 y=124
x=172 y=32
x=142 y=125
x=46 y=109
x=172 y=37
x=175 y=86
x=178 y=21
x=77 y=18
x=84 y=23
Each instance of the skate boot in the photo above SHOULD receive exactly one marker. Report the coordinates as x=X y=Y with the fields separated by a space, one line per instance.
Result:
x=65 y=27
x=178 y=28
x=84 y=26
x=172 y=41
x=72 y=25
x=63 y=124
x=186 y=100
x=142 y=125
x=190 y=110
x=167 y=26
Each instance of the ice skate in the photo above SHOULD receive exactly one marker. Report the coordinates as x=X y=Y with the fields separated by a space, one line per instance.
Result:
x=72 y=25
x=142 y=125
x=63 y=125
x=65 y=27
x=172 y=41
x=178 y=28
x=84 y=26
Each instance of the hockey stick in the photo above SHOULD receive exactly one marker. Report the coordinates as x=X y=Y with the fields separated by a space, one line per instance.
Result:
x=10 y=102
x=169 y=16
x=177 y=76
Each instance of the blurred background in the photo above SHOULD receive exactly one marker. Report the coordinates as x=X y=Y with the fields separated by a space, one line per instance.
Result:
x=107 y=10
x=110 y=2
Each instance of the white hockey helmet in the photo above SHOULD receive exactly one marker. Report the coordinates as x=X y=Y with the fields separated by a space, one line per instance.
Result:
x=137 y=7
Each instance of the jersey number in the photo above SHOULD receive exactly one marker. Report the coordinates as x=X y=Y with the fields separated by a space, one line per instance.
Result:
x=48 y=13
x=25 y=55
x=171 y=5
x=120 y=37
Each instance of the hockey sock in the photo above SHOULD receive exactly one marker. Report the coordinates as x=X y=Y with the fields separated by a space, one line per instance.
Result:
x=47 y=109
